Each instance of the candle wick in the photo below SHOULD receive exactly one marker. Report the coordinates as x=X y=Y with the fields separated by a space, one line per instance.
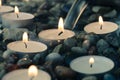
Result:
x=17 y=15
x=91 y=65
x=25 y=44
x=100 y=27
x=60 y=33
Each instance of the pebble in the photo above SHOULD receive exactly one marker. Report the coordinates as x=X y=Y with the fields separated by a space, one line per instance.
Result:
x=64 y=72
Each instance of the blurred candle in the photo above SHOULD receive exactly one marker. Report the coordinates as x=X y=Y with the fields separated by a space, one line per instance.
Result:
x=56 y=34
x=101 y=27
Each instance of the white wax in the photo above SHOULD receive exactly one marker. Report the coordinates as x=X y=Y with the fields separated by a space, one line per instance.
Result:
x=5 y=9
x=52 y=34
x=100 y=65
x=22 y=74
x=32 y=47
x=11 y=20
x=107 y=27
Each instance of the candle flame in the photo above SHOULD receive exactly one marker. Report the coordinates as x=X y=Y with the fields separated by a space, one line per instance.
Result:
x=100 y=20
x=91 y=60
x=25 y=37
x=32 y=71
x=16 y=10
x=61 y=25
x=0 y=3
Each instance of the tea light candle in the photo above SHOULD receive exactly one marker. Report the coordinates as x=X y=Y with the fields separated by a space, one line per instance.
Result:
x=92 y=64
x=4 y=9
x=27 y=74
x=101 y=27
x=26 y=46
x=56 y=34
x=17 y=19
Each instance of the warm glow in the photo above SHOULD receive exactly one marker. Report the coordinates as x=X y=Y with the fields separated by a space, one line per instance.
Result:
x=91 y=60
x=25 y=37
x=0 y=3
x=100 y=20
x=32 y=71
x=16 y=10
x=60 y=24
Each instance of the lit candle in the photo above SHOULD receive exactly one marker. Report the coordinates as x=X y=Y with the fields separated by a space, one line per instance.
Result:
x=26 y=46
x=32 y=72
x=56 y=34
x=101 y=27
x=91 y=62
x=17 y=19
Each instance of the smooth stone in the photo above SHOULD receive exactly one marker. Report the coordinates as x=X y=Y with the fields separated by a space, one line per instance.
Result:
x=109 y=52
x=111 y=14
x=44 y=6
x=90 y=78
x=69 y=43
x=56 y=9
x=13 y=58
x=55 y=57
x=39 y=58
x=102 y=45
x=109 y=77
x=93 y=38
x=29 y=7
x=64 y=72
x=78 y=51
x=24 y=62
x=96 y=8
x=113 y=39
x=104 y=10
x=7 y=54
x=57 y=48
